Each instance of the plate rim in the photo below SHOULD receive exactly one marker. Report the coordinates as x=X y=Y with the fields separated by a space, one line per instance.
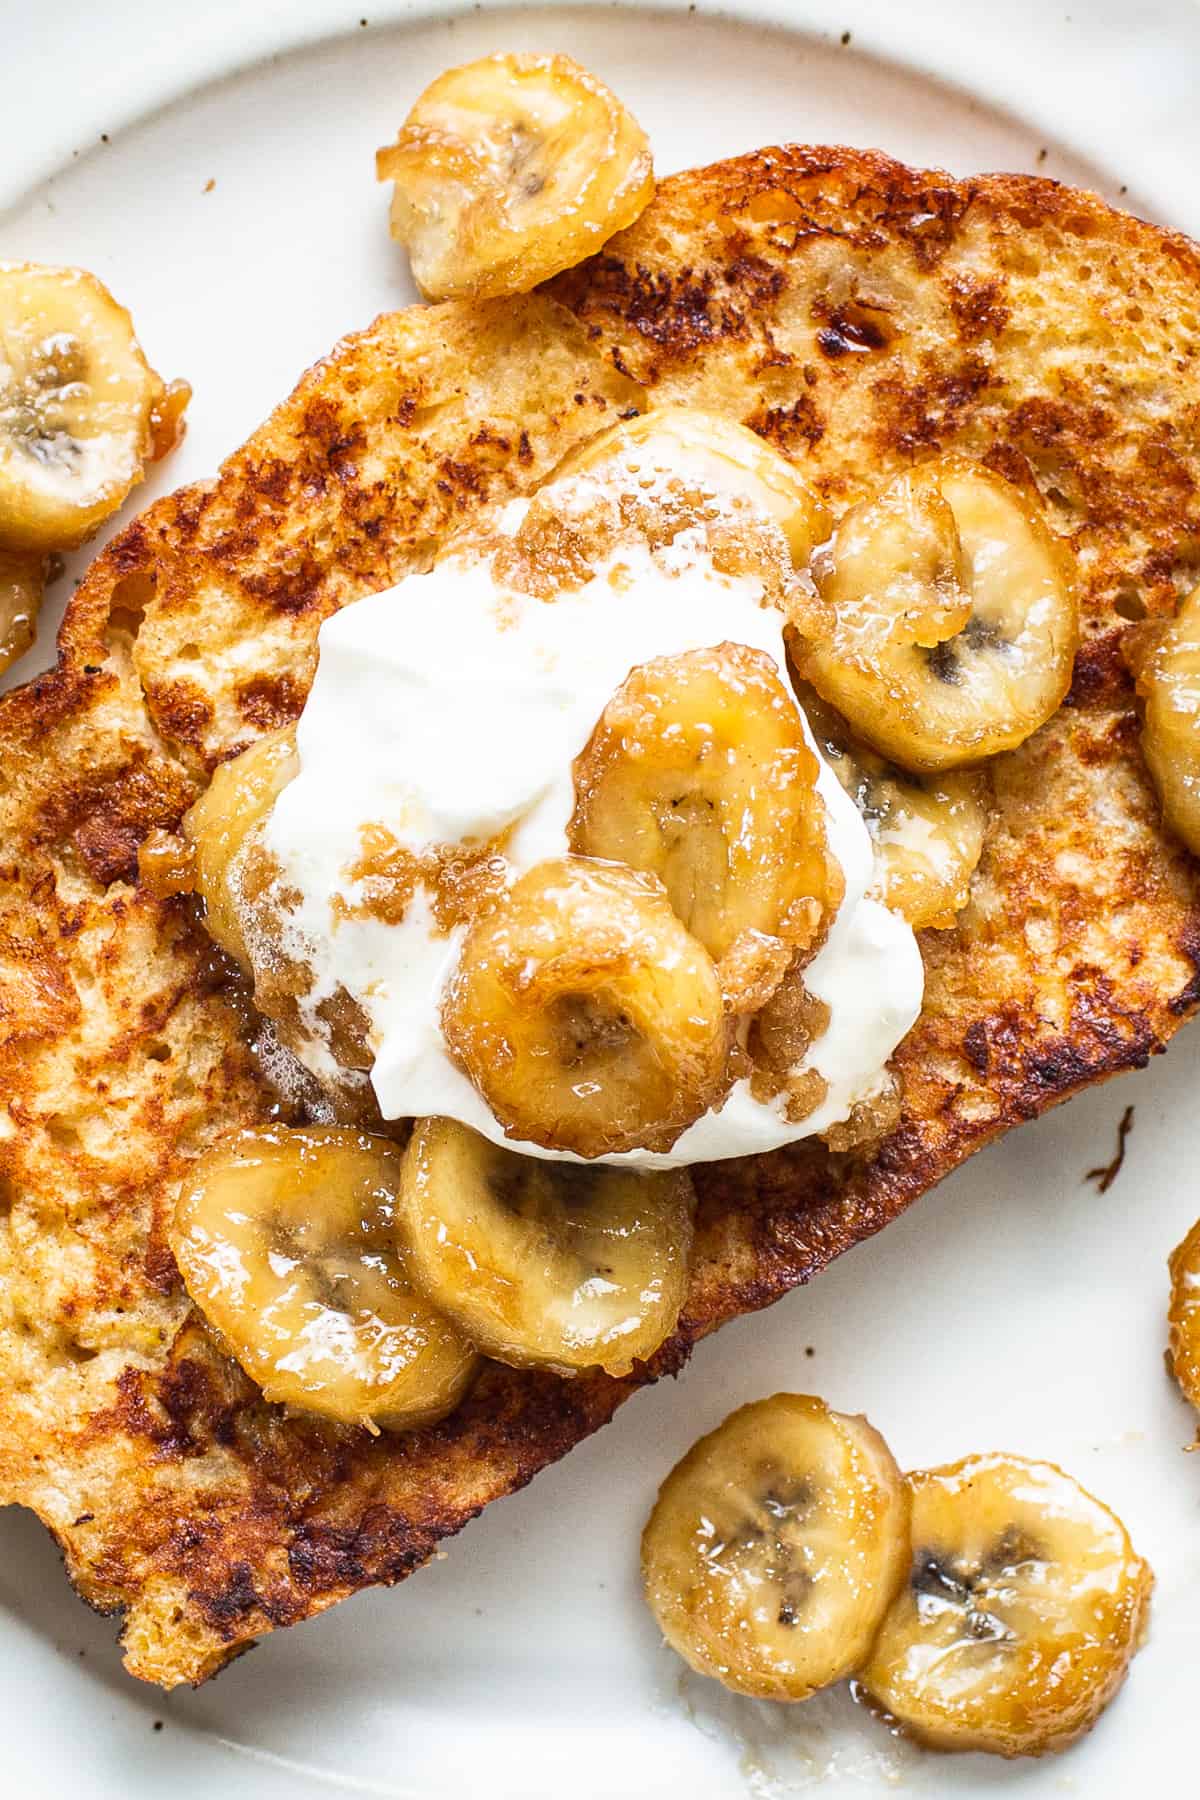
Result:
x=986 y=55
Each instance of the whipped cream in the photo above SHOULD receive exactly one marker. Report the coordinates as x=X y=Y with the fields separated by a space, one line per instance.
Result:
x=451 y=708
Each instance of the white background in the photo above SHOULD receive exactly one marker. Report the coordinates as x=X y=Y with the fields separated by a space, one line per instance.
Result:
x=1014 y=1308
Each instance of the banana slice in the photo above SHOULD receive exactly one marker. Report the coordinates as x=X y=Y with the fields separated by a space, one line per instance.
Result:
x=1183 y=1354
x=776 y=1547
x=220 y=827
x=509 y=170
x=1024 y=1606
x=287 y=1241
x=715 y=454
x=954 y=620
x=1166 y=662
x=79 y=406
x=545 y=1263
x=22 y=581
x=928 y=831
x=698 y=772
x=586 y=1014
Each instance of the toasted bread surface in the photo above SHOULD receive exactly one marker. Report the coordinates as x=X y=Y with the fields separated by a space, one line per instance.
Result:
x=860 y=315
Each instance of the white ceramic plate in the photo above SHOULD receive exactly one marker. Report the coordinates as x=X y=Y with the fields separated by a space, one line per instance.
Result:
x=1015 y=1307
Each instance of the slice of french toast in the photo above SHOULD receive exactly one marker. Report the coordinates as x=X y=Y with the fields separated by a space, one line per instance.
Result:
x=859 y=314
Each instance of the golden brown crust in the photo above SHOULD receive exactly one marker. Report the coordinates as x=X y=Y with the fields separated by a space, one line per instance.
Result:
x=859 y=314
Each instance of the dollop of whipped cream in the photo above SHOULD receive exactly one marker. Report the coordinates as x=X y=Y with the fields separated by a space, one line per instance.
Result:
x=450 y=708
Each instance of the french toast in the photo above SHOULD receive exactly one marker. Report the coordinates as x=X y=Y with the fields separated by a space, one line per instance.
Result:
x=861 y=316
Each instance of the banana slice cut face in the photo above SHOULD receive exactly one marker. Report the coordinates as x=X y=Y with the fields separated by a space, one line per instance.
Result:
x=78 y=406
x=698 y=772
x=928 y=830
x=1166 y=662
x=22 y=581
x=714 y=454
x=1024 y=1606
x=287 y=1241
x=1183 y=1353
x=776 y=1546
x=220 y=826
x=587 y=1015
x=953 y=619
x=545 y=1263
x=509 y=170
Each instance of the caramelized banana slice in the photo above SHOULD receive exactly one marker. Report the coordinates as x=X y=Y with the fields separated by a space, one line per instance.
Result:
x=509 y=170
x=545 y=1262
x=79 y=406
x=717 y=455
x=954 y=621
x=928 y=831
x=776 y=1546
x=288 y=1243
x=1024 y=1606
x=589 y=1019
x=1183 y=1354
x=1166 y=661
x=220 y=826
x=22 y=580
x=698 y=772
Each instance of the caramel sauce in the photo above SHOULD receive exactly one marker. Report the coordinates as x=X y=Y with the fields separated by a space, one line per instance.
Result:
x=870 y=1120
x=166 y=418
x=166 y=864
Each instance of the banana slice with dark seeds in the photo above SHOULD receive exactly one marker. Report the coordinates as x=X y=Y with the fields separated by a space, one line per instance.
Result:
x=776 y=1546
x=81 y=411
x=1024 y=1605
x=953 y=615
x=712 y=453
x=288 y=1242
x=928 y=830
x=1165 y=658
x=1183 y=1354
x=220 y=827
x=509 y=170
x=698 y=772
x=586 y=1014
x=545 y=1263
x=22 y=581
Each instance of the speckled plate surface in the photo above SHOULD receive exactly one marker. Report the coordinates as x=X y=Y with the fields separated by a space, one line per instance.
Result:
x=213 y=164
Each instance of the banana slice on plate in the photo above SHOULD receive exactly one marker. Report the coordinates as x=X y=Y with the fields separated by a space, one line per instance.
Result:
x=953 y=618
x=509 y=170
x=220 y=826
x=776 y=1546
x=1024 y=1606
x=22 y=581
x=927 y=830
x=587 y=1015
x=81 y=411
x=287 y=1241
x=716 y=454
x=1166 y=662
x=698 y=772
x=545 y=1263
x=1183 y=1354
